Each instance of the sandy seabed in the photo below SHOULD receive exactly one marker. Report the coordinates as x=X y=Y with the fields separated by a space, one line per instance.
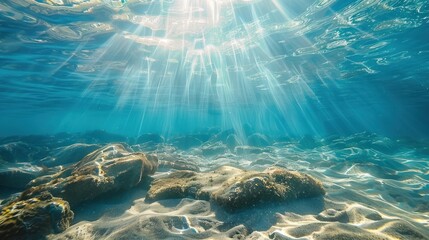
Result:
x=376 y=188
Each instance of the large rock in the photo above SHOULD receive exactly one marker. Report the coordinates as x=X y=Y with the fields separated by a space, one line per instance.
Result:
x=35 y=217
x=21 y=152
x=232 y=141
x=258 y=140
x=69 y=154
x=178 y=162
x=272 y=185
x=213 y=149
x=150 y=137
x=149 y=142
x=18 y=175
x=186 y=142
x=233 y=188
x=105 y=170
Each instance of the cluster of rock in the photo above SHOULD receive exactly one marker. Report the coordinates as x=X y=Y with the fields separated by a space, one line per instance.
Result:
x=57 y=175
x=44 y=208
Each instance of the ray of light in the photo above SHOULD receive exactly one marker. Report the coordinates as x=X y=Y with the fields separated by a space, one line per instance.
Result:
x=216 y=60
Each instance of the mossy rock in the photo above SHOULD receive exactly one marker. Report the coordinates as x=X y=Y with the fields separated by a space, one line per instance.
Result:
x=34 y=218
x=108 y=169
x=234 y=189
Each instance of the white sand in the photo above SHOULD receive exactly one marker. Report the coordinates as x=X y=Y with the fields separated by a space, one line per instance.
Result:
x=370 y=195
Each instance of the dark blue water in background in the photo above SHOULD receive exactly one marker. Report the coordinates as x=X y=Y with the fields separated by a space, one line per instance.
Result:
x=318 y=67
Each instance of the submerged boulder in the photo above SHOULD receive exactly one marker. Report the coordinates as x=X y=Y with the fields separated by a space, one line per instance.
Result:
x=232 y=141
x=21 y=152
x=186 y=142
x=35 y=217
x=68 y=154
x=150 y=137
x=272 y=185
x=233 y=188
x=258 y=140
x=105 y=170
x=178 y=162
x=18 y=175
x=213 y=149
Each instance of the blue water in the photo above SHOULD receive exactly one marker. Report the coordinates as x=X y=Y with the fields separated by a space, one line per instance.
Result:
x=308 y=67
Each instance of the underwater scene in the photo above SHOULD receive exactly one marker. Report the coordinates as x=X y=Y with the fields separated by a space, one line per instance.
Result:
x=214 y=119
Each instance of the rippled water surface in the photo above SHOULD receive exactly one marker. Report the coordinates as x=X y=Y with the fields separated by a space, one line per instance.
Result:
x=314 y=67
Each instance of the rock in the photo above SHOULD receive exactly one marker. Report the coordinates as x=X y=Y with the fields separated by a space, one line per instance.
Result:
x=258 y=140
x=34 y=218
x=272 y=185
x=221 y=136
x=213 y=149
x=20 y=152
x=68 y=154
x=176 y=162
x=18 y=175
x=186 y=142
x=150 y=137
x=232 y=141
x=248 y=129
x=105 y=170
x=234 y=189
x=203 y=136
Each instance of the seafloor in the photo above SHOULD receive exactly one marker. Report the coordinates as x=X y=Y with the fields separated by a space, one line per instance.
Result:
x=97 y=185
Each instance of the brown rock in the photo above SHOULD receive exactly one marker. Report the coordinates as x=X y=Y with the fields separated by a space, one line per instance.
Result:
x=234 y=188
x=35 y=217
x=105 y=170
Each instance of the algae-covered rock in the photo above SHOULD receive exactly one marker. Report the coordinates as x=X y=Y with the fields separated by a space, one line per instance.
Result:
x=178 y=162
x=233 y=188
x=105 y=170
x=272 y=185
x=35 y=217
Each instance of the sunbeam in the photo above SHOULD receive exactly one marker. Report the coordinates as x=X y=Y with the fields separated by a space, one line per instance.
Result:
x=205 y=59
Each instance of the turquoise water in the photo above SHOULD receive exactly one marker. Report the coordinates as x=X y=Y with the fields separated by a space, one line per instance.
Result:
x=312 y=67
x=214 y=119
